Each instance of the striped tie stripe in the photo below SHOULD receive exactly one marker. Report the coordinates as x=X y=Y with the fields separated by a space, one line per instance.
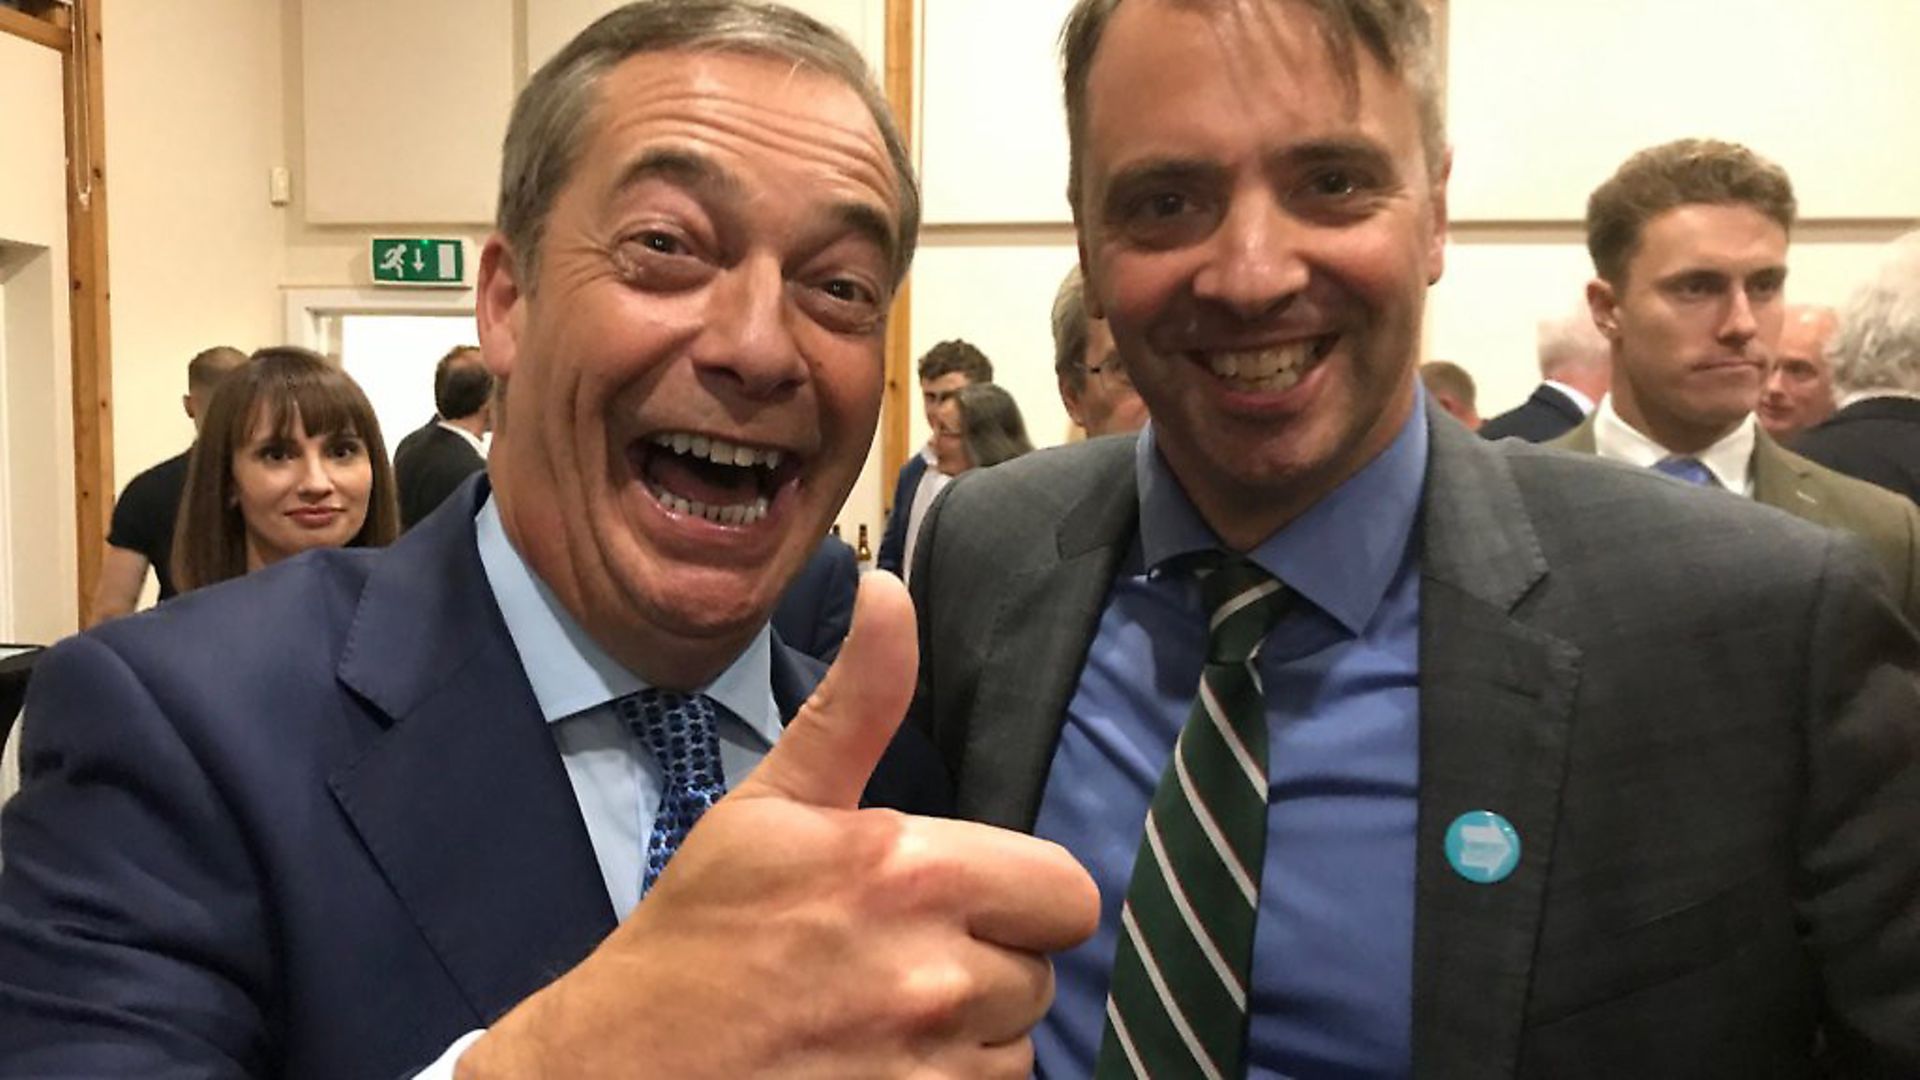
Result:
x=1177 y=1003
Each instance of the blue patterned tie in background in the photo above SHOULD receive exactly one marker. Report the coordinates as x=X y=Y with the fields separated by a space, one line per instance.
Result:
x=679 y=730
x=1687 y=468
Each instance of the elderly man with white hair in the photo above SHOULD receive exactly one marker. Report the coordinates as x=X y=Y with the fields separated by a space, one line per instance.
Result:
x=1576 y=365
x=1876 y=370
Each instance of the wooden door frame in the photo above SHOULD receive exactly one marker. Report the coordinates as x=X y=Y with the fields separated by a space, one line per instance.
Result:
x=74 y=32
x=901 y=76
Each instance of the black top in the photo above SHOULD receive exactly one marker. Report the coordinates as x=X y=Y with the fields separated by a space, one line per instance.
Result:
x=143 y=518
x=1876 y=440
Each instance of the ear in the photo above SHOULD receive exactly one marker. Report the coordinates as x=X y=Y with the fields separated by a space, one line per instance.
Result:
x=186 y=403
x=1437 y=243
x=1604 y=305
x=1071 y=400
x=500 y=307
x=1089 y=296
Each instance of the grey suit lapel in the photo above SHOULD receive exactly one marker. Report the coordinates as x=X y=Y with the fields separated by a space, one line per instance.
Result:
x=1496 y=700
x=1045 y=624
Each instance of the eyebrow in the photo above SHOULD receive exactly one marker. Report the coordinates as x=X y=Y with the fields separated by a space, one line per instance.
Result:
x=696 y=172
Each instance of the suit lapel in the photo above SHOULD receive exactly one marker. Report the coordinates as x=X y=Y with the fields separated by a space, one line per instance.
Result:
x=1496 y=699
x=1041 y=633
x=1781 y=480
x=464 y=802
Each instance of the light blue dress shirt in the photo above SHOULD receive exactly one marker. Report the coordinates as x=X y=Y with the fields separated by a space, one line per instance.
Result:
x=615 y=777
x=1333 y=945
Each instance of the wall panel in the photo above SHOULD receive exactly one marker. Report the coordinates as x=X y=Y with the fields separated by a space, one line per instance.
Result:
x=404 y=107
x=1547 y=99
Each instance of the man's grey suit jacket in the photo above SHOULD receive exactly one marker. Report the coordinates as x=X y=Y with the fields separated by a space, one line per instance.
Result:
x=1700 y=715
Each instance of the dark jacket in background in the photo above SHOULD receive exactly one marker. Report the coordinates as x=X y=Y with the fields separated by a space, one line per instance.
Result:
x=1876 y=440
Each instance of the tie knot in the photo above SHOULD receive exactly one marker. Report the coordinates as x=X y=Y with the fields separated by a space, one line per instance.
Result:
x=679 y=729
x=1243 y=603
x=1690 y=469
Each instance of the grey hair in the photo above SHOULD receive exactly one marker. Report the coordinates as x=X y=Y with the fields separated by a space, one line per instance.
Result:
x=1070 y=330
x=1398 y=34
x=1877 y=346
x=1571 y=343
x=550 y=117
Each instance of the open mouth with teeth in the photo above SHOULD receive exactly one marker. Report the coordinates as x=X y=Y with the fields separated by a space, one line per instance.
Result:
x=722 y=482
x=1271 y=369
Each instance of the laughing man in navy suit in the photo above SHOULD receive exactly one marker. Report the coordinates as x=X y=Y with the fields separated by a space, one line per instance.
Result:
x=366 y=812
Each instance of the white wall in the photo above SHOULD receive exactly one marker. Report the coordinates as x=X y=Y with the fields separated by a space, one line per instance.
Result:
x=194 y=120
x=38 y=565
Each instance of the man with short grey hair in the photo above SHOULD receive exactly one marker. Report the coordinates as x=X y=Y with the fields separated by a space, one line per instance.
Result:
x=535 y=792
x=1395 y=751
x=1875 y=356
x=1575 y=367
x=1798 y=390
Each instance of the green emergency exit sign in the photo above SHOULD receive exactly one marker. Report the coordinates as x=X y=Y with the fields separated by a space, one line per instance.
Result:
x=414 y=260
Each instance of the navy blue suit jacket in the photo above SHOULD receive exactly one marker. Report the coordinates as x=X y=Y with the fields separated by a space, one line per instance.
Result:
x=1545 y=416
x=816 y=611
x=893 y=546
x=305 y=824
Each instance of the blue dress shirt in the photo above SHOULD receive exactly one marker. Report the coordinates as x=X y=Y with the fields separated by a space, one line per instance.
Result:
x=1332 y=992
x=614 y=776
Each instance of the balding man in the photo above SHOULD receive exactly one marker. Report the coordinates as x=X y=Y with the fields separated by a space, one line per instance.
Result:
x=143 y=517
x=1798 y=391
x=1876 y=368
x=1450 y=386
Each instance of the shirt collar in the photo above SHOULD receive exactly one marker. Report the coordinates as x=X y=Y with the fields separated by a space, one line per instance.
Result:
x=1730 y=460
x=927 y=455
x=1581 y=400
x=1341 y=555
x=472 y=439
x=570 y=673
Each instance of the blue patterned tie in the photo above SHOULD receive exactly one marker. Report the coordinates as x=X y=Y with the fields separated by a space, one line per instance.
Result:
x=1686 y=468
x=679 y=730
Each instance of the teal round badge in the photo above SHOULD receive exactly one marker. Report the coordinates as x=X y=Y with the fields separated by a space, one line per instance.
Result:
x=1483 y=847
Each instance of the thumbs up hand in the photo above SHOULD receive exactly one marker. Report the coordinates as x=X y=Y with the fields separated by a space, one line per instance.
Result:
x=796 y=935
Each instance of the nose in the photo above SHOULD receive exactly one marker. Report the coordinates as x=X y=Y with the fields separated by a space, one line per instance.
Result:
x=748 y=344
x=1740 y=325
x=316 y=480
x=1254 y=268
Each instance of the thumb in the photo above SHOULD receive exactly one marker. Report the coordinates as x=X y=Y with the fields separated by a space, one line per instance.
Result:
x=828 y=752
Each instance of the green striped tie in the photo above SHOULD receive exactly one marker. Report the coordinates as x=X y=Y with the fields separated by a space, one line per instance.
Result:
x=1177 y=1005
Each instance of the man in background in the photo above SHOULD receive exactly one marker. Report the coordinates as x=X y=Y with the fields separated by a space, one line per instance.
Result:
x=1575 y=367
x=1094 y=386
x=1798 y=391
x=944 y=370
x=1450 y=387
x=1689 y=247
x=433 y=461
x=1395 y=751
x=1876 y=365
x=143 y=517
